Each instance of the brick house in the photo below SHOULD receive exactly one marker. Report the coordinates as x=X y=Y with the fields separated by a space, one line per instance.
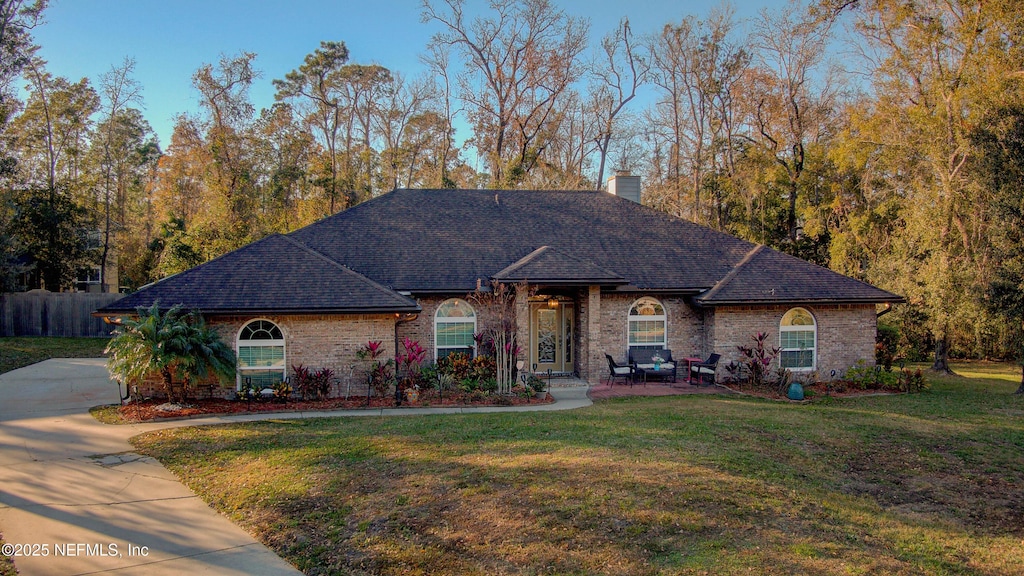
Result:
x=604 y=274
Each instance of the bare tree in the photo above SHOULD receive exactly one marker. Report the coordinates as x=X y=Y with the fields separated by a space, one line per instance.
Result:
x=696 y=66
x=618 y=76
x=518 y=64
x=438 y=59
x=402 y=102
x=363 y=87
x=792 y=93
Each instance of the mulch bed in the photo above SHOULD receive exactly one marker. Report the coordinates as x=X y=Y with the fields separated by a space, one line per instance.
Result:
x=146 y=410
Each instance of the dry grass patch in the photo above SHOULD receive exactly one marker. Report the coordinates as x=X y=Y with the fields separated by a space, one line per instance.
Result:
x=920 y=484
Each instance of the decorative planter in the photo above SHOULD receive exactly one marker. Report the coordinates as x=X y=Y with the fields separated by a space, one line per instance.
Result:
x=795 y=391
x=412 y=395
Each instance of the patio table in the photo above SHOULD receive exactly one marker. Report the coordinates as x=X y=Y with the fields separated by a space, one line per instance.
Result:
x=649 y=370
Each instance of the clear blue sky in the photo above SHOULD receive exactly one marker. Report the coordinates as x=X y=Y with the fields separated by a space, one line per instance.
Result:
x=170 y=39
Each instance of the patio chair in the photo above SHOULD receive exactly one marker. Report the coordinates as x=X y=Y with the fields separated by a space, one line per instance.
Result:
x=617 y=371
x=705 y=368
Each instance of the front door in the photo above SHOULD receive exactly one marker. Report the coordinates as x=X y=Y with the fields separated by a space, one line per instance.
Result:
x=551 y=336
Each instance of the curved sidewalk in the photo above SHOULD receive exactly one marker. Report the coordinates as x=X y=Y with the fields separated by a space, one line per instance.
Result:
x=75 y=496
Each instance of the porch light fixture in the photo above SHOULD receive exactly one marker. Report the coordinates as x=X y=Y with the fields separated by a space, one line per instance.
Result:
x=553 y=303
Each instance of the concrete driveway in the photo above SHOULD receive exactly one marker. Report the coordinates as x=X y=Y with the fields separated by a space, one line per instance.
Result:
x=75 y=499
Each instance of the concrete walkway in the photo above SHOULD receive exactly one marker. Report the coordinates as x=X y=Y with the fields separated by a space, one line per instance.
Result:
x=75 y=496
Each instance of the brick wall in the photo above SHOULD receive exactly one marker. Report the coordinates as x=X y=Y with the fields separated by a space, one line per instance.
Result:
x=684 y=328
x=316 y=341
x=846 y=333
x=421 y=328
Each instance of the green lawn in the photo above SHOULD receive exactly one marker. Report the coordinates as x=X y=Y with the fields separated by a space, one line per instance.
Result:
x=923 y=484
x=22 y=351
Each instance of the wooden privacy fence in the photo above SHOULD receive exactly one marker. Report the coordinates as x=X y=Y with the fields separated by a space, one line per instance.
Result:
x=42 y=313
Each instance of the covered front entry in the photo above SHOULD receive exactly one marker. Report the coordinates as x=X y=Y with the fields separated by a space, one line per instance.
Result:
x=552 y=331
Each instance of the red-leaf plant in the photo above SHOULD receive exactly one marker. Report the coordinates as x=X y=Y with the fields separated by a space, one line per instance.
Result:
x=381 y=375
x=410 y=362
x=758 y=359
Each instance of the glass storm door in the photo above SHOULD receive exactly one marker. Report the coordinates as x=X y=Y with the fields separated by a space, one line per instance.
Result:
x=551 y=337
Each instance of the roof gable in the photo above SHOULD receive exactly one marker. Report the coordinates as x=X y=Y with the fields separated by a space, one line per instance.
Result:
x=546 y=265
x=275 y=274
x=767 y=276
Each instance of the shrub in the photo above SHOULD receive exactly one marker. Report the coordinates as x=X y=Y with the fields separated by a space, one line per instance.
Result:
x=886 y=344
x=488 y=385
x=469 y=385
x=484 y=367
x=457 y=365
x=535 y=383
x=912 y=381
x=174 y=345
x=312 y=384
x=282 y=390
x=247 y=391
x=872 y=377
x=445 y=382
x=734 y=372
x=428 y=376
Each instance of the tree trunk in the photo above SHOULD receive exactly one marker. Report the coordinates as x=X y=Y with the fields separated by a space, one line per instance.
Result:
x=942 y=356
x=168 y=383
x=1020 y=389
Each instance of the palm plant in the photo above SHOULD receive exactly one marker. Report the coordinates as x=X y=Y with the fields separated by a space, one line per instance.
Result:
x=172 y=344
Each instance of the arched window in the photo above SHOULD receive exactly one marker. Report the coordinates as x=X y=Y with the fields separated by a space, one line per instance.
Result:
x=454 y=327
x=647 y=323
x=261 y=354
x=798 y=340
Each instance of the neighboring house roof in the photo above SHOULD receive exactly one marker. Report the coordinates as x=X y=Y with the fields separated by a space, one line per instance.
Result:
x=768 y=276
x=452 y=241
x=275 y=274
x=545 y=265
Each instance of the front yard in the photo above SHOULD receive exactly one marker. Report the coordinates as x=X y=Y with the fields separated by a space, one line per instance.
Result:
x=927 y=483
x=18 y=352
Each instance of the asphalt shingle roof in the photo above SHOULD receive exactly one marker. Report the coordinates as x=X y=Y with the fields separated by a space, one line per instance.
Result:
x=451 y=241
x=275 y=274
x=545 y=265
x=445 y=240
x=766 y=275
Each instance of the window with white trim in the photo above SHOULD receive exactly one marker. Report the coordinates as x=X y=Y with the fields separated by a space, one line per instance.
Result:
x=260 y=351
x=454 y=327
x=647 y=323
x=798 y=340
